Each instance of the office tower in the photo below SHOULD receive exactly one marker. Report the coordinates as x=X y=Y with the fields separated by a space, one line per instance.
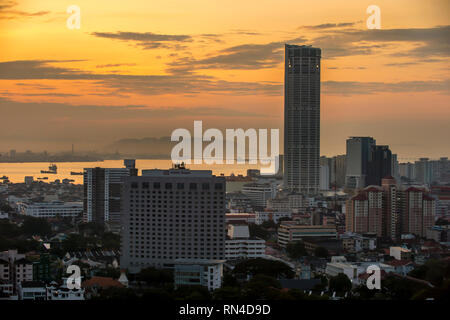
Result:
x=359 y=151
x=172 y=214
x=418 y=211
x=364 y=212
x=380 y=165
x=391 y=208
x=102 y=194
x=302 y=119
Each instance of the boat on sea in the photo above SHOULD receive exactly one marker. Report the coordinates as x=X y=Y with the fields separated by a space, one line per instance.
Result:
x=52 y=169
x=73 y=173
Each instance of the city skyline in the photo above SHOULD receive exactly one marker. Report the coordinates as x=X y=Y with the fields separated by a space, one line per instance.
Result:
x=122 y=73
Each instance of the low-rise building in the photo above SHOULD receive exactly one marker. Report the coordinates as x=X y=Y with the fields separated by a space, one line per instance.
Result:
x=51 y=209
x=62 y=292
x=239 y=244
x=207 y=273
x=241 y=217
x=32 y=290
x=291 y=232
x=262 y=216
x=355 y=242
x=438 y=233
x=400 y=253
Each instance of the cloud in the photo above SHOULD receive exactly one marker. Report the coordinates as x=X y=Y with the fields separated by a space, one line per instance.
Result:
x=112 y=65
x=355 y=87
x=330 y=25
x=143 y=84
x=245 y=56
x=7 y=11
x=146 y=40
x=429 y=42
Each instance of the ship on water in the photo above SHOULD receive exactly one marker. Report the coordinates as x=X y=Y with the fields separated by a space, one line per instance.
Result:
x=52 y=169
x=73 y=173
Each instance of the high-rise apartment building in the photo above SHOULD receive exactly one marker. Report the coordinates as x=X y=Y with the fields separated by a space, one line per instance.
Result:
x=102 y=194
x=390 y=211
x=391 y=208
x=418 y=211
x=302 y=119
x=172 y=214
x=364 y=212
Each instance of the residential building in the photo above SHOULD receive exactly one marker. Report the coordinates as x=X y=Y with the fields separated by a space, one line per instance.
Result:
x=239 y=244
x=54 y=209
x=355 y=242
x=418 y=211
x=57 y=292
x=102 y=194
x=269 y=215
x=207 y=273
x=364 y=212
x=32 y=290
x=400 y=253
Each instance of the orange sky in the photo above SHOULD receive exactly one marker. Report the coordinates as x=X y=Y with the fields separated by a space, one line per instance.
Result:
x=221 y=62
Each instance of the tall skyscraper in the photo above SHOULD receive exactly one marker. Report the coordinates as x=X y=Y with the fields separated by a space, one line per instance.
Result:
x=102 y=194
x=359 y=152
x=302 y=119
x=380 y=165
x=172 y=214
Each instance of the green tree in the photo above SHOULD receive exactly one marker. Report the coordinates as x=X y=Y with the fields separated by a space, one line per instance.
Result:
x=321 y=252
x=36 y=226
x=296 y=250
x=433 y=271
x=260 y=266
x=261 y=287
x=340 y=283
x=155 y=277
x=227 y=293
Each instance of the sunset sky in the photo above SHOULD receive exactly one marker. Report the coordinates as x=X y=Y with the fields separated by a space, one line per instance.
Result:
x=138 y=69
